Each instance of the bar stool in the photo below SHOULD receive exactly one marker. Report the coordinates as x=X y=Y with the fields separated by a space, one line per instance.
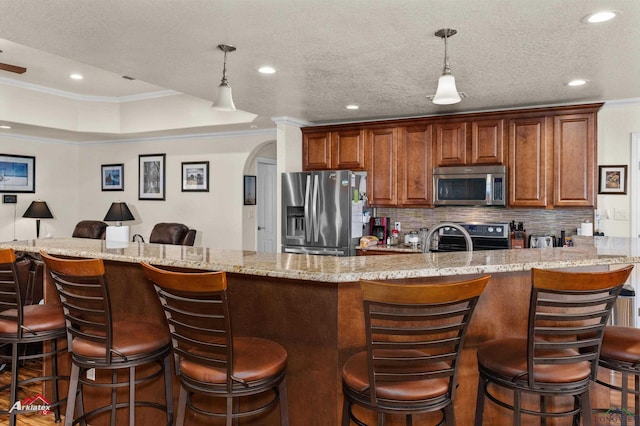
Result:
x=21 y=325
x=415 y=334
x=208 y=359
x=97 y=341
x=568 y=312
x=621 y=353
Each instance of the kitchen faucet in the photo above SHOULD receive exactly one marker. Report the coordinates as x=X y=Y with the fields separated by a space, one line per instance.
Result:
x=465 y=234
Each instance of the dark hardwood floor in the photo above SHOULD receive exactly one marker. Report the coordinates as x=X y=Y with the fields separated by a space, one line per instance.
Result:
x=30 y=369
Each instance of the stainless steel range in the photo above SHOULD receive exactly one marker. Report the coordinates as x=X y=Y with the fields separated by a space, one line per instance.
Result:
x=485 y=236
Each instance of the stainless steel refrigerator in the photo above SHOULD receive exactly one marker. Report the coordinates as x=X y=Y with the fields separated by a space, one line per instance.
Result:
x=322 y=212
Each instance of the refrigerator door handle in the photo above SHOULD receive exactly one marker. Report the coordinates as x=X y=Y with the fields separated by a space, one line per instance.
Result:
x=307 y=216
x=314 y=209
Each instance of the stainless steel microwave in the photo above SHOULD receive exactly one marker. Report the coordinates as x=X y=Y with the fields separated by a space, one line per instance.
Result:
x=470 y=186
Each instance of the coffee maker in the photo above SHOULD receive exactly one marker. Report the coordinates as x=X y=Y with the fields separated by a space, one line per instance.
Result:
x=380 y=227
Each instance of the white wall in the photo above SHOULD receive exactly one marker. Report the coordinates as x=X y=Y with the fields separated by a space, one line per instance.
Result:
x=616 y=122
x=56 y=182
x=68 y=178
x=217 y=214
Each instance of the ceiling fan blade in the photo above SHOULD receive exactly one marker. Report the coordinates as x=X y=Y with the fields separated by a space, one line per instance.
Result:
x=12 y=68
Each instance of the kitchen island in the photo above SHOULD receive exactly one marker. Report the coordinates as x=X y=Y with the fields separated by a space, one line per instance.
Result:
x=312 y=305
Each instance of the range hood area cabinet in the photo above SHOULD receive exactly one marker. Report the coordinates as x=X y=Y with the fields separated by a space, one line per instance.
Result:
x=474 y=142
x=550 y=153
x=552 y=160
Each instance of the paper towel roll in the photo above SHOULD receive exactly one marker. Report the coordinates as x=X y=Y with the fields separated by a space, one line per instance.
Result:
x=586 y=229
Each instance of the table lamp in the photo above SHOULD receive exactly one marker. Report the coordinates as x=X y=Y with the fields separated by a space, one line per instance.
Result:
x=38 y=210
x=118 y=212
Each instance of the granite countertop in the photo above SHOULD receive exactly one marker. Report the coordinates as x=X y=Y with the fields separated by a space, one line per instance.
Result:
x=400 y=248
x=588 y=251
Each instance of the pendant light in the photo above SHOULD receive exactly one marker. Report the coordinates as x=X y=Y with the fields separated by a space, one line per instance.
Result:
x=447 y=93
x=224 y=101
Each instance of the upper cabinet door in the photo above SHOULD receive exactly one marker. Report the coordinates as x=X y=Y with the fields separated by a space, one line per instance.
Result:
x=574 y=159
x=316 y=151
x=382 y=147
x=527 y=179
x=451 y=144
x=414 y=166
x=347 y=150
x=487 y=142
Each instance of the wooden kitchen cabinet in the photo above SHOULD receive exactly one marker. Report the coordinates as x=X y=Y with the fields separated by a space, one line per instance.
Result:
x=487 y=144
x=527 y=180
x=316 y=151
x=550 y=153
x=382 y=154
x=451 y=144
x=574 y=160
x=329 y=150
x=415 y=166
x=472 y=142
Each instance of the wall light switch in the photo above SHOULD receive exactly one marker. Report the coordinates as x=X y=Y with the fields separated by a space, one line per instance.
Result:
x=397 y=226
x=620 y=214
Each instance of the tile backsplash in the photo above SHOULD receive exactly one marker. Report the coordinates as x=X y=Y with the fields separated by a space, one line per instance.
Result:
x=536 y=221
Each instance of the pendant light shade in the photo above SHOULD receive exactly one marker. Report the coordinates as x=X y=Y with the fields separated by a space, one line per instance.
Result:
x=224 y=100
x=447 y=93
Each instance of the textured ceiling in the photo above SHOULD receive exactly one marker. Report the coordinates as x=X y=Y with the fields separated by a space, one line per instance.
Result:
x=379 y=54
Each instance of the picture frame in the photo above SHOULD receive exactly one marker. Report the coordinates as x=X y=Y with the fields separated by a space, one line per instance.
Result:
x=151 y=177
x=612 y=179
x=195 y=176
x=112 y=177
x=249 y=190
x=17 y=173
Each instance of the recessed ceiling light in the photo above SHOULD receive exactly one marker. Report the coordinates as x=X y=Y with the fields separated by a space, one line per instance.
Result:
x=602 y=16
x=76 y=76
x=266 y=70
x=577 y=82
x=353 y=106
x=4 y=126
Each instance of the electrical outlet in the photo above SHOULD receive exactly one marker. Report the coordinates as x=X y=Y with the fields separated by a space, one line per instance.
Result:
x=397 y=226
x=91 y=374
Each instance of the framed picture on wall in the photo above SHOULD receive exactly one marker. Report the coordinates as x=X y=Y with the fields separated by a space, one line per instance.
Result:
x=249 y=190
x=151 y=177
x=17 y=173
x=195 y=176
x=112 y=177
x=613 y=180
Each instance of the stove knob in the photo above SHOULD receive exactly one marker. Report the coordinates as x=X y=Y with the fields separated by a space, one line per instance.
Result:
x=499 y=230
x=490 y=229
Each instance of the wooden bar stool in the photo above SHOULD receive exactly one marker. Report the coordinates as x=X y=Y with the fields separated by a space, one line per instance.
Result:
x=568 y=312
x=209 y=360
x=95 y=340
x=621 y=353
x=414 y=334
x=21 y=325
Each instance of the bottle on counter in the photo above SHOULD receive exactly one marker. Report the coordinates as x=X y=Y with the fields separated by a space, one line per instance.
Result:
x=394 y=237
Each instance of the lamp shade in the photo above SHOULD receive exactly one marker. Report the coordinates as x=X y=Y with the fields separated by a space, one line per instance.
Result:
x=447 y=92
x=224 y=101
x=118 y=212
x=38 y=210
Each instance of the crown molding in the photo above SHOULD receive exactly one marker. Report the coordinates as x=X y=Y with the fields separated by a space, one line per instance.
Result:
x=86 y=98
